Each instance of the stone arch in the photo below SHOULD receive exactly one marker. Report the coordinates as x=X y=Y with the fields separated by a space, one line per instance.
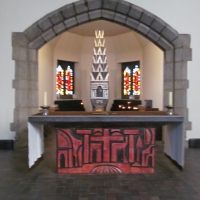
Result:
x=176 y=48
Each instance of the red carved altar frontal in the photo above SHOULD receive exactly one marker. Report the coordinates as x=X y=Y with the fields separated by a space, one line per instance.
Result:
x=105 y=150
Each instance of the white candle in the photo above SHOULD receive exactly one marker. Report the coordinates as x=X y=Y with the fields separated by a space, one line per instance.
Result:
x=45 y=98
x=170 y=98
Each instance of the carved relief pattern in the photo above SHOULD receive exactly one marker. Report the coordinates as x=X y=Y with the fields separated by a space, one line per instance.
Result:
x=105 y=150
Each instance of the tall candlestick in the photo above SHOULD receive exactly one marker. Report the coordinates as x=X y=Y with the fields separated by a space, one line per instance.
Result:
x=170 y=98
x=45 y=98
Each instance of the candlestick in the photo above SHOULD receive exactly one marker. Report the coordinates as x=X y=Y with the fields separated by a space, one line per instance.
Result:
x=45 y=110
x=170 y=98
x=45 y=98
x=169 y=110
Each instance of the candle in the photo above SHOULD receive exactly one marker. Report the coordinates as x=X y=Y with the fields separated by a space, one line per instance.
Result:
x=170 y=98
x=45 y=98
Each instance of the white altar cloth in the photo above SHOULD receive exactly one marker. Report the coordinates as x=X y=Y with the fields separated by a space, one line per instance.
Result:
x=35 y=142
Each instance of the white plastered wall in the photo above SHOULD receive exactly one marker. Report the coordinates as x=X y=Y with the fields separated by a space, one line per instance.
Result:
x=152 y=76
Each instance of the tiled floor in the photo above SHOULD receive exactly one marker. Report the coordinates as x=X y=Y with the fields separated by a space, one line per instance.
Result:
x=17 y=182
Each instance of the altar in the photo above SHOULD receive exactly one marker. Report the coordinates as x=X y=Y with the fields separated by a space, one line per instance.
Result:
x=107 y=142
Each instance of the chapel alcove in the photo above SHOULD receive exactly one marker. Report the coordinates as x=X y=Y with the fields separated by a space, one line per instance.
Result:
x=122 y=45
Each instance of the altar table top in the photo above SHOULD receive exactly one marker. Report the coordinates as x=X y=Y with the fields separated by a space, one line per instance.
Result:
x=144 y=118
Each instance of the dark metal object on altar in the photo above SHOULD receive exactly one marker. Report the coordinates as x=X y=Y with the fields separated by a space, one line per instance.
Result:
x=70 y=105
x=45 y=110
x=169 y=110
x=148 y=103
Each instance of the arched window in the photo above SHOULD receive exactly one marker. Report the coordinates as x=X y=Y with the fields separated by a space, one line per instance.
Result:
x=130 y=79
x=65 y=78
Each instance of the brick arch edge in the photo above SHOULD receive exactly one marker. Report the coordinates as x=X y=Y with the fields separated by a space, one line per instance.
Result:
x=176 y=48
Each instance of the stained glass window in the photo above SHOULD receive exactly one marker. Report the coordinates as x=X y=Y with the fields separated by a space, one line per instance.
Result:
x=59 y=80
x=136 y=80
x=127 y=81
x=130 y=79
x=65 y=78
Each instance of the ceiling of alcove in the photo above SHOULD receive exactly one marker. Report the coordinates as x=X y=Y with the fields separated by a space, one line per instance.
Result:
x=110 y=30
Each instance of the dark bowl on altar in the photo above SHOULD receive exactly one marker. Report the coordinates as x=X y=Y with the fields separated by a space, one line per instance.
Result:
x=45 y=107
x=169 y=107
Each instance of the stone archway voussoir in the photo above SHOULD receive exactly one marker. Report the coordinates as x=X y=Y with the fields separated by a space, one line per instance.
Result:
x=93 y=5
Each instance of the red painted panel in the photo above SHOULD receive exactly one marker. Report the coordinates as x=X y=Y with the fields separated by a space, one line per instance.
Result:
x=106 y=150
x=87 y=132
x=131 y=132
